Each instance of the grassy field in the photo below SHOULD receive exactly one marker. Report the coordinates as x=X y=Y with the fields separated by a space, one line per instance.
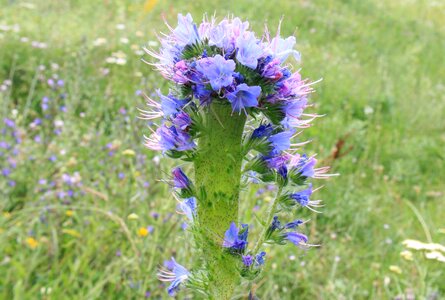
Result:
x=84 y=216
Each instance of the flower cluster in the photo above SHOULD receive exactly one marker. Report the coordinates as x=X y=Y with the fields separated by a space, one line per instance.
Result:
x=9 y=150
x=226 y=63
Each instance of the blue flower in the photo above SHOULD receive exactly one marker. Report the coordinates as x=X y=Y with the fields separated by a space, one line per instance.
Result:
x=234 y=240
x=169 y=138
x=307 y=166
x=218 y=35
x=180 y=180
x=188 y=207
x=282 y=48
x=280 y=141
x=217 y=70
x=202 y=93
x=276 y=224
x=186 y=32
x=296 y=238
x=247 y=260
x=176 y=274
x=293 y=224
x=260 y=258
x=248 y=50
x=244 y=96
x=170 y=105
x=182 y=121
x=8 y=122
x=302 y=197
x=262 y=131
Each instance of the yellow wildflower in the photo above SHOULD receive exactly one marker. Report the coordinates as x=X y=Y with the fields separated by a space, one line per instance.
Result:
x=6 y=214
x=395 y=269
x=406 y=254
x=129 y=152
x=149 y=5
x=143 y=232
x=32 y=242
x=133 y=216
x=69 y=213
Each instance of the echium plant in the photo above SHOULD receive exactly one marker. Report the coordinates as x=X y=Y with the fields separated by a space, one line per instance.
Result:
x=233 y=110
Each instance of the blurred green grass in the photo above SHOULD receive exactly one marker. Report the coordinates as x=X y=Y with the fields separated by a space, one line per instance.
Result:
x=383 y=95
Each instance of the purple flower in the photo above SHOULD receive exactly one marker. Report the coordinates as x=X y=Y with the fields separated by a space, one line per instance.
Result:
x=9 y=123
x=248 y=50
x=293 y=110
x=262 y=131
x=276 y=162
x=218 y=35
x=201 y=92
x=170 y=105
x=217 y=70
x=293 y=224
x=273 y=70
x=121 y=175
x=181 y=71
x=180 y=180
x=186 y=33
x=182 y=121
x=176 y=274
x=307 y=166
x=169 y=264
x=280 y=141
x=296 y=238
x=234 y=239
x=188 y=207
x=170 y=138
x=6 y=172
x=247 y=260
x=276 y=224
x=260 y=258
x=244 y=96
x=302 y=197
x=282 y=48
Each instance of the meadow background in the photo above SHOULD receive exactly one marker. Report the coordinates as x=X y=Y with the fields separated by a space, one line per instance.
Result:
x=84 y=216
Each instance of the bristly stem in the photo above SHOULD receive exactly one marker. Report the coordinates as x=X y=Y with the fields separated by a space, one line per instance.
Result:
x=270 y=215
x=217 y=180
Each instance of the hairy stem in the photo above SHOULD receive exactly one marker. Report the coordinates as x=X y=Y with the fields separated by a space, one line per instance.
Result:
x=269 y=218
x=217 y=180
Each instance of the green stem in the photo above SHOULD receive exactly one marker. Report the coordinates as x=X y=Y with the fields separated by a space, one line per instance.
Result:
x=217 y=180
x=270 y=215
